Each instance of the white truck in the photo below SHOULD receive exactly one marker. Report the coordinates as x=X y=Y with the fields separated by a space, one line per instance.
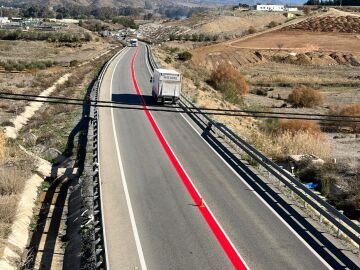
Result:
x=166 y=85
x=134 y=42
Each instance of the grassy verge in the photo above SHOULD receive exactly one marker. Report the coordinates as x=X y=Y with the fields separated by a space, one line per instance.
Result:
x=48 y=134
x=15 y=166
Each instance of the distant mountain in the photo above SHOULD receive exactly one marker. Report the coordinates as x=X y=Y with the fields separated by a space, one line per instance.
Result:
x=253 y=2
x=140 y=3
x=94 y=3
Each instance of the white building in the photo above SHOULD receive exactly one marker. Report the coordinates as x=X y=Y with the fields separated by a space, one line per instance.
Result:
x=291 y=9
x=4 y=20
x=270 y=8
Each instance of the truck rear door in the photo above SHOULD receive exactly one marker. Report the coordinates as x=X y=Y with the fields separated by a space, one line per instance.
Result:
x=170 y=89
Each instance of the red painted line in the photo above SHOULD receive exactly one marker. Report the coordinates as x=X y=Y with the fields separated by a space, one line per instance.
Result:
x=224 y=241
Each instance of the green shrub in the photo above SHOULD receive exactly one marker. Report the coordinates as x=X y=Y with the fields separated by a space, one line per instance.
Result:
x=201 y=37
x=168 y=60
x=172 y=37
x=184 y=56
x=270 y=125
x=252 y=30
x=126 y=22
x=272 y=24
x=9 y=67
x=230 y=92
x=49 y=63
x=195 y=37
x=74 y=63
x=88 y=37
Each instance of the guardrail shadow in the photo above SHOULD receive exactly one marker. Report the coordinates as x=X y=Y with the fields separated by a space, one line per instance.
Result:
x=57 y=193
x=315 y=238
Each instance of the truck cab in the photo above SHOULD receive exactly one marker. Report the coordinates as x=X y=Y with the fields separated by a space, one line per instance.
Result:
x=134 y=42
x=166 y=86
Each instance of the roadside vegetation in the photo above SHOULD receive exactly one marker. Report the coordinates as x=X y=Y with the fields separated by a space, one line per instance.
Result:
x=126 y=22
x=348 y=110
x=15 y=166
x=21 y=65
x=194 y=37
x=47 y=135
x=184 y=56
x=230 y=82
x=45 y=36
x=305 y=97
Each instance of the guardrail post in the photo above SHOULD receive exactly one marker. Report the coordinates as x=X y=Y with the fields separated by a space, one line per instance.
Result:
x=338 y=232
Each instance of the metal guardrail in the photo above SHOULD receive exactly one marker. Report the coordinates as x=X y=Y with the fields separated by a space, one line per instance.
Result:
x=101 y=260
x=324 y=209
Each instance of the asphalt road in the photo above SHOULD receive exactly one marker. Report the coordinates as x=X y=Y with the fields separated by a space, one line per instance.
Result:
x=151 y=219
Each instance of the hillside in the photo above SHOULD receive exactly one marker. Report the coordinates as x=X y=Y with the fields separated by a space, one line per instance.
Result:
x=94 y=3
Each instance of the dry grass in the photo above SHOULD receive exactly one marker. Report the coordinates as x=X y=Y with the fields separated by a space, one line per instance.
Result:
x=295 y=126
x=11 y=181
x=230 y=82
x=2 y=147
x=304 y=142
x=305 y=97
x=348 y=110
x=290 y=143
x=8 y=205
x=14 y=167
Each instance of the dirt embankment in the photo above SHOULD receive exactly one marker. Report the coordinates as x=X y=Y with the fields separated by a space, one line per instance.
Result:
x=341 y=24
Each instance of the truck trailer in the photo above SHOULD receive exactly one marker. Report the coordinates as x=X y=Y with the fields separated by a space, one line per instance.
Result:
x=166 y=86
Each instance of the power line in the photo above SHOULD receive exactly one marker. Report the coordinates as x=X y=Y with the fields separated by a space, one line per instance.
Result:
x=209 y=111
x=201 y=108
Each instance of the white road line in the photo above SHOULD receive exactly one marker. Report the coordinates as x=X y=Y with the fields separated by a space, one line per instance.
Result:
x=123 y=178
x=261 y=199
x=99 y=166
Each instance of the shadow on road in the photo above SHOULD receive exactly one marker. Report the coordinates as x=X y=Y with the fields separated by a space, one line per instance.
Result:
x=133 y=99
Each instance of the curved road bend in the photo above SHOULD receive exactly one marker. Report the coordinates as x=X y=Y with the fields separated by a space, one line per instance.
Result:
x=152 y=220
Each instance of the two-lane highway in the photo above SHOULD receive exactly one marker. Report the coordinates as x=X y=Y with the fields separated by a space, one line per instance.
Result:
x=155 y=167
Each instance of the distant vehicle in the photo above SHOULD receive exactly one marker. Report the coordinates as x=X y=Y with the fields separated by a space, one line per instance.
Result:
x=134 y=42
x=166 y=86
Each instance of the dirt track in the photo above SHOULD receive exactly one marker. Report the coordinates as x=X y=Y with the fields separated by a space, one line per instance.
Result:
x=303 y=41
